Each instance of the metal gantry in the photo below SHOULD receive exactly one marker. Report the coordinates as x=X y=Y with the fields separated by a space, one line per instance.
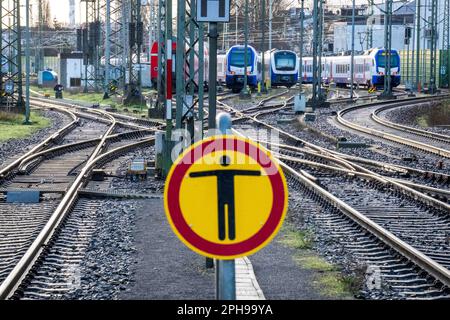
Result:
x=38 y=50
x=418 y=85
x=302 y=18
x=370 y=25
x=263 y=45
x=433 y=44
x=115 y=61
x=317 y=99
x=445 y=58
x=387 y=92
x=162 y=42
x=189 y=67
x=245 y=94
x=136 y=40
x=11 y=50
x=91 y=46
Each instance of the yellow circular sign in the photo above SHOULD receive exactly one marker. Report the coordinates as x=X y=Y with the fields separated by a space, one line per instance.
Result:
x=226 y=197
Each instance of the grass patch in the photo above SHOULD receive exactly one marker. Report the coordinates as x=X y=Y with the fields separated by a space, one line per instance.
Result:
x=11 y=125
x=296 y=239
x=422 y=121
x=335 y=285
x=96 y=98
x=314 y=263
x=328 y=279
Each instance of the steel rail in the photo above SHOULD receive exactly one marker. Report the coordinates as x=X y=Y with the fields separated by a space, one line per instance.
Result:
x=23 y=166
x=13 y=281
x=77 y=105
x=391 y=137
x=44 y=144
x=393 y=125
x=433 y=268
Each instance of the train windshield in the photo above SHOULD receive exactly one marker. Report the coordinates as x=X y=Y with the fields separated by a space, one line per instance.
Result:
x=382 y=60
x=237 y=58
x=285 y=61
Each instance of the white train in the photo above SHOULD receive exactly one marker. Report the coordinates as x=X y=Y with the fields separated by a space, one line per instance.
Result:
x=369 y=69
x=281 y=67
x=235 y=67
x=221 y=68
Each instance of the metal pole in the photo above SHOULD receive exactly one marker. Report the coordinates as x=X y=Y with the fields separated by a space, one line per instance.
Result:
x=223 y=36
x=418 y=84
x=302 y=17
x=139 y=38
x=352 y=64
x=244 y=93
x=107 y=49
x=269 y=84
x=413 y=35
x=86 y=61
x=201 y=77
x=263 y=43
x=316 y=80
x=237 y=15
x=168 y=87
x=387 y=92
x=446 y=43
x=225 y=269
x=28 y=62
x=407 y=63
x=20 y=102
x=180 y=63
x=370 y=33
x=213 y=35
x=432 y=85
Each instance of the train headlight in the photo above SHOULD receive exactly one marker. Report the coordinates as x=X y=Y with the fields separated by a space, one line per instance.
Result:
x=249 y=73
x=233 y=73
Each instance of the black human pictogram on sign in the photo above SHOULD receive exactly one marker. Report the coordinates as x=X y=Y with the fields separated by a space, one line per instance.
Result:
x=225 y=194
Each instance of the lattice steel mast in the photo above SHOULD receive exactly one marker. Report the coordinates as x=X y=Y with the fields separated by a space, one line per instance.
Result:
x=446 y=44
x=11 y=48
x=189 y=66
x=434 y=7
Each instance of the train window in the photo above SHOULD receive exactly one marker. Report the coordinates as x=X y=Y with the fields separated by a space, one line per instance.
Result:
x=237 y=58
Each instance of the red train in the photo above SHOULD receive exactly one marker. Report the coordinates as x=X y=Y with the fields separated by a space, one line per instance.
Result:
x=154 y=63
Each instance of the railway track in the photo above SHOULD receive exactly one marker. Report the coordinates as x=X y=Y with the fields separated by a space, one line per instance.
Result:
x=366 y=119
x=399 y=231
x=66 y=164
x=412 y=268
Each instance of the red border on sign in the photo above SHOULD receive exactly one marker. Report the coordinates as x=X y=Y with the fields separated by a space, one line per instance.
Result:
x=173 y=196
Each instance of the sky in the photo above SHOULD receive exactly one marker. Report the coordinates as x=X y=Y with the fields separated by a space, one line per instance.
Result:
x=60 y=8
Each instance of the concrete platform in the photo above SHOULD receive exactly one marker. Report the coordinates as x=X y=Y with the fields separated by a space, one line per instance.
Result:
x=167 y=269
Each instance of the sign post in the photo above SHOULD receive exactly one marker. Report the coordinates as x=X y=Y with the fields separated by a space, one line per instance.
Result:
x=213 y=11
x=225 y=269
x=242 y=205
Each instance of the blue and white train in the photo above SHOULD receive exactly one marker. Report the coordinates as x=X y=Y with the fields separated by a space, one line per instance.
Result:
x=236 y=67
x=282 y=68
x=369 y=69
